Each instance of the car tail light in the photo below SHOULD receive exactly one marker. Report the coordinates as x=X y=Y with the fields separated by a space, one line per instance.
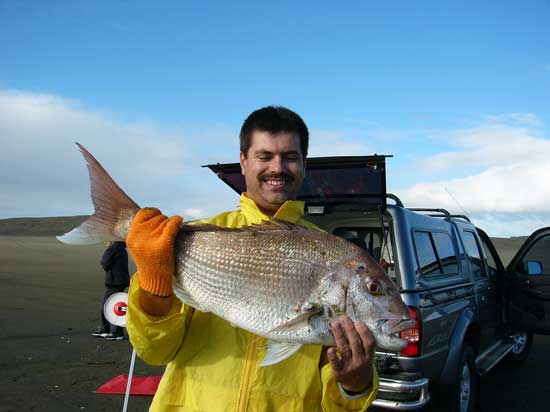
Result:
x=413 y=336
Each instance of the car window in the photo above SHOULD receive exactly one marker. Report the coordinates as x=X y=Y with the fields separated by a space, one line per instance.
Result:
x=539 y=252
x=372 y=240
x=435 y=253
x=472 y=249
x=425 y=254
x=367 y=238
x=446 y=252
x=489 y=259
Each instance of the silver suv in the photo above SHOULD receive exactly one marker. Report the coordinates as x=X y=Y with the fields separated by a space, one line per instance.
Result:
x=470 y=311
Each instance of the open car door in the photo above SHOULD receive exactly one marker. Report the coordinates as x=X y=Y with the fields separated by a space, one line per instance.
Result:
x=528 y=286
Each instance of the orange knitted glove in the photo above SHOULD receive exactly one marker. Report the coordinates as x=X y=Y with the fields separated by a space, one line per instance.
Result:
x=150 y=241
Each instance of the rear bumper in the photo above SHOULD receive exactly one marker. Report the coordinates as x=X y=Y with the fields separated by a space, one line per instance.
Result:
x=401 y=395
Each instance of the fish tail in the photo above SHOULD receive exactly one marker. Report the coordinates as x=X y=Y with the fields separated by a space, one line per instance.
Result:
x=114 y=210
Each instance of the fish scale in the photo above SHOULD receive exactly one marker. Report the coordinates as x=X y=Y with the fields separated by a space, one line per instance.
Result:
x=259 y=287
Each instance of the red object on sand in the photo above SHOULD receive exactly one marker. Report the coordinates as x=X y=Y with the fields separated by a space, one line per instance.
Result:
x=141 y=385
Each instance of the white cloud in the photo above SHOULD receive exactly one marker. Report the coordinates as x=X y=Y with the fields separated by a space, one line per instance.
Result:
x=526 y=119
x=503 y=170
x=499 y=171
x=50 y=125
x=335 y=143
x=507 y=225
x=487 y=146
x=193 y=213
x=42 y=172
x=518 y=188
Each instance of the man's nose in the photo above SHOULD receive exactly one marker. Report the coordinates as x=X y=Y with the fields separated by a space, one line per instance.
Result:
x=277 y=165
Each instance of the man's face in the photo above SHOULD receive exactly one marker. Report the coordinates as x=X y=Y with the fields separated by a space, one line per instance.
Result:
x=274 y=169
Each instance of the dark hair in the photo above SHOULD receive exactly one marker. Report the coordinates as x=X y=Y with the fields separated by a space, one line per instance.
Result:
x=273 y=119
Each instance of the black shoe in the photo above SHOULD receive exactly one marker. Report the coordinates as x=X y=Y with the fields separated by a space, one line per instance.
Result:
x=100 y=333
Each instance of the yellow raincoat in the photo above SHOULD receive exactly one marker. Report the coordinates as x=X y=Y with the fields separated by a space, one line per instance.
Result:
x=213 y=366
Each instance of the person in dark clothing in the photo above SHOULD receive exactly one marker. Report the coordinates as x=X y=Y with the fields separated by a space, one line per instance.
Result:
x=117 y=278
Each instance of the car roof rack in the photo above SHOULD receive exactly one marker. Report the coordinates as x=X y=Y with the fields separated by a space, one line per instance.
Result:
x=462 y=217
x=397 y=201
x=432 y=212
x=444 y=213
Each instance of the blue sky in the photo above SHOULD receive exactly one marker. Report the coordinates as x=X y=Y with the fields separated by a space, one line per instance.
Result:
x=457 y=91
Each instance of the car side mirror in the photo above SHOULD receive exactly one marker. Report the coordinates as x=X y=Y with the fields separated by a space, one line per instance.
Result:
x=534 y=267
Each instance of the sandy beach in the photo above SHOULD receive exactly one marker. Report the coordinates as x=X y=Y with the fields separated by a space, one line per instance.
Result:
x=50 y=298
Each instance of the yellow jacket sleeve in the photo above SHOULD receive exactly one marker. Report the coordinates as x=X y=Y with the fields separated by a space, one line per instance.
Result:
x=155 y=339
x=333 y=401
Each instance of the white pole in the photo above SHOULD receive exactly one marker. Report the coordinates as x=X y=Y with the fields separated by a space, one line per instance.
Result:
x=129 y=384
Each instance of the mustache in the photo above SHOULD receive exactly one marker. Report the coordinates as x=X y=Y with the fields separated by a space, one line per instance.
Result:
x=285 y=176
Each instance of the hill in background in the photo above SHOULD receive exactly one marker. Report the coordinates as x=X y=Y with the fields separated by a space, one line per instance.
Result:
x=39 y=226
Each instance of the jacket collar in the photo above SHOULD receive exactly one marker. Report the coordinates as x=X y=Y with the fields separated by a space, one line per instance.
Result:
x=290 y=211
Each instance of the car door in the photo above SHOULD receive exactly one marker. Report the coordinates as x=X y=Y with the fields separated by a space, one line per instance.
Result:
x=528 y=285
x=484 y=287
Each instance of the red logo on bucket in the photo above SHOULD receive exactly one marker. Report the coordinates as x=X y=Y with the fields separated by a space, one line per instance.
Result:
x=120 y=308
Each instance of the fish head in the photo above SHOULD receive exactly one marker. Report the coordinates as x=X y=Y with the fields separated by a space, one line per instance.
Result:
x=375 y=300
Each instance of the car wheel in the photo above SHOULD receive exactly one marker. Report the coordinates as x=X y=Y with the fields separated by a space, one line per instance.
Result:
x=467 y=382
x=462 y=395
x=522 y=346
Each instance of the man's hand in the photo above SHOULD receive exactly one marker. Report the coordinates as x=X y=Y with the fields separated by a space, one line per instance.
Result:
x=353 y=368
x=151 y=244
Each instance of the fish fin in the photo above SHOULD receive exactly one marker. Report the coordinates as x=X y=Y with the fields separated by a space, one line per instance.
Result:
x=114 y=210
x=299 y=321
x=279 y=351
x=269 y=225
x=283 y=224
x=185 y=298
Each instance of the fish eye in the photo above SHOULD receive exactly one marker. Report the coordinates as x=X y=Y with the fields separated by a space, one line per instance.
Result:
x=374 y=287
x=361 y=267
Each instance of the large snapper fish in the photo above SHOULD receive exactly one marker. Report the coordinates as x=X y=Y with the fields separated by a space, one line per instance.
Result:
x=278 y=280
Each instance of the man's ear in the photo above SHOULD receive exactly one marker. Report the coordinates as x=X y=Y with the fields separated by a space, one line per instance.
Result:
x=242 y=161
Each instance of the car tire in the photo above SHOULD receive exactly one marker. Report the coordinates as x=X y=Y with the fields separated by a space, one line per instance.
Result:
x=522 y=346
x=461 y=396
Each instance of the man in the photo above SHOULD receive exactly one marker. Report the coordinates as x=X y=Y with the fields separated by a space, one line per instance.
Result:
x=211 y=365
x=115 y=263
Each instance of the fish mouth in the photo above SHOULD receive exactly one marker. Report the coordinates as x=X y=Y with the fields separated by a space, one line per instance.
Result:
x=393 y=327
